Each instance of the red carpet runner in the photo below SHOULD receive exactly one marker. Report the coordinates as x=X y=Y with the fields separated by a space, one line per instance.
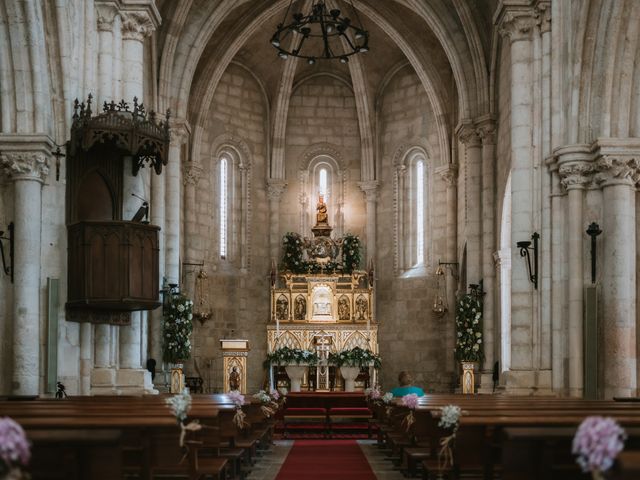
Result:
x=325 y=460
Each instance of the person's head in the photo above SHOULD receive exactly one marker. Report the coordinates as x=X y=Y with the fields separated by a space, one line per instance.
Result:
x=405 y=379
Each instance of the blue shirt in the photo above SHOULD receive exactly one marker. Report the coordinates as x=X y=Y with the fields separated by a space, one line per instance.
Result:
x=402 y=391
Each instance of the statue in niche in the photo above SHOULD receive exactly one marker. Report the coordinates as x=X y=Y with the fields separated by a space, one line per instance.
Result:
x=343 y=308
x=234 y=379
x=321 y=208
x=301 y=308
x=361 y=308
x=282 y=308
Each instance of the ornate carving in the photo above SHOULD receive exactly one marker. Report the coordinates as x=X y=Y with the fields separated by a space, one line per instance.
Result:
x=517 y=25
x=25 y=165
x=178 y=134
x=617 y=170
x=370 y=190
x=275 y=188
x=543 y=15
x=575 y=175
x=322 y=149
x=191 y=173
x=105 y=15
x=449 y=174
x=468 y=135
x=487 y=133
x=136 y=26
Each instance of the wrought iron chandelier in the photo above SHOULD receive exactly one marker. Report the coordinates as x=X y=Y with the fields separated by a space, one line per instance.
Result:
x=322 y=34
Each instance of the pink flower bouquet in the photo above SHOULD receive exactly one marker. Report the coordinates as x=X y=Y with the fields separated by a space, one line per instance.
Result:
x=597 y=443
x=14 y=449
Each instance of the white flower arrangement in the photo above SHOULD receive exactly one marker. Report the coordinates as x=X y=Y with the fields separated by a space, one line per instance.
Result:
x=180 y=405
x=262 y=396
x=177 y=330
x=469 y=329
x=450 y=416
x=387 y=398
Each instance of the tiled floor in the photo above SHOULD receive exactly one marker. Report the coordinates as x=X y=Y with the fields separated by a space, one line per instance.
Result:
x=269 y=464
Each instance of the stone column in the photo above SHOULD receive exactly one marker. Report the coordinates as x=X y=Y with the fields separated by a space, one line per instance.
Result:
x=190 y=175
x=26 y=161
x=157 y=217
x=136 y=26
x=370 y=190
x=575 y=170
x=173 y=204
x=618 y=175
x=516 y=25
x=105 y=14
x=486 y=132
x=449 y=174
x=468 y=135
x=275 y=187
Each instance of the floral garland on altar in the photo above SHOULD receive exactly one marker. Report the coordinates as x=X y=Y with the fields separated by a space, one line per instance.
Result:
x=293 y=256
x=469 y=346
x=351 y=253
x=290 y=356
x=177 y=329
x=356 y=357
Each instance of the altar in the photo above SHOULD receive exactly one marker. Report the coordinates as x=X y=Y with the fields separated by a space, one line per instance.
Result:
x=321 y=301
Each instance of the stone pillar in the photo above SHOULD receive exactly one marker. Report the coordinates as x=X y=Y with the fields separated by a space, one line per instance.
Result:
x=157 y=217
x=136 y=26
x=173 y=204
x=275 y=187
x=516 y=25
x=468 y=135
x=190 y=175
x=370 y=190
x=26 y=161
x=105 y=14
x=618 y=175
x=449 y=174
x=575 y=170
x=486 y=132
x=86 y=348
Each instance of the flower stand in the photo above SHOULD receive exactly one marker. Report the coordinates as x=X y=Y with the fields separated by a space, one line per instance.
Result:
x=349 y=374
x=295 y=373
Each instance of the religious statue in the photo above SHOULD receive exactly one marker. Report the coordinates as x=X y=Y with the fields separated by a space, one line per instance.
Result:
x=343 y=308
x=361 y=308
x=234 y=379
x=301 y=308
x=321 y=208
x=282 y=308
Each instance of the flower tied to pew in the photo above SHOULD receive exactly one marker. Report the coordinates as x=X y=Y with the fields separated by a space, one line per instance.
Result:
x=269 y=406
x=411 y=402
x=238 y=399
x=597 y=443
x=14 y=450
x=387 y=398
x=180 y=405
x=449 y=420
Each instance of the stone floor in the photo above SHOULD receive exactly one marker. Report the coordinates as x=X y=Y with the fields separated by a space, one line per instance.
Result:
x=269 y=464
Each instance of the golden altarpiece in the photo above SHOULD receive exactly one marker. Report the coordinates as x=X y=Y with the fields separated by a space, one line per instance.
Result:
x=328 y=309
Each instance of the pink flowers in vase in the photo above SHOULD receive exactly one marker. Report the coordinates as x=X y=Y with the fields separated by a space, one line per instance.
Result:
x=14 y=449
x=597 y=443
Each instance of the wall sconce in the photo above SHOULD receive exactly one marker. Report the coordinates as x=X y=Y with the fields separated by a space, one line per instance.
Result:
x=524 y=252
x=451 y=266
x=593 y=231
x=202 y=310
x=8 y=269
x=168 y=291
x=439 y=303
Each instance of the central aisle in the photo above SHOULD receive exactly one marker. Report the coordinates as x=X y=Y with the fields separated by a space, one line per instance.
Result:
x=326 y=459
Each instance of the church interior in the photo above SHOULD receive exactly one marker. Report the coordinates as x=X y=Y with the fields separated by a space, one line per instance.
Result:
x=241 y=196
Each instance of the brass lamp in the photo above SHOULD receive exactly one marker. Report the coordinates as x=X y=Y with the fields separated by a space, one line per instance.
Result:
x=202 y=309
x=439 y=300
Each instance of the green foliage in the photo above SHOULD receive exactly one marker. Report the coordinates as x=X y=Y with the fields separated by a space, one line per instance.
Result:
x=356 y=357
x=292 y=247
x=469 y=342
x=177 y=330
x=290 y=356
x=351 y=253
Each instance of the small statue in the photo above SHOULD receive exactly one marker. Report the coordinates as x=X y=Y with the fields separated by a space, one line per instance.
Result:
x=282 y=308
x=60 y=392
x=343 y=308
x=234 y=379
x=301 y=308
x=321 y=208
x=361 y=308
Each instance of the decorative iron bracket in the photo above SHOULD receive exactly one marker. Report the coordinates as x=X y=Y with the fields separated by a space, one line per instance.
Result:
x=8 y=269
x=524 y=247
x=593 y=231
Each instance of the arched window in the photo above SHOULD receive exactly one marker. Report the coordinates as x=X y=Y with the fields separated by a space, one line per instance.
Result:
x=323 y=184
x=223 y=213
x=322 y=176
x=412 y=212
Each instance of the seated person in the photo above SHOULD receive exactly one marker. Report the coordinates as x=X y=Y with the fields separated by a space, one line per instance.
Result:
x=405 y=388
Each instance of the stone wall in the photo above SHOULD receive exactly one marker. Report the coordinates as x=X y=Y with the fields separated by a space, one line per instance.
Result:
x=410 y=335
x=239 y=296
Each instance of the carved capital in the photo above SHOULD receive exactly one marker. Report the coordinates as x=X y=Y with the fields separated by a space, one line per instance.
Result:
x=542 y=13
x=105 y=15
x=575 y=175
x=25 y=165
x=468 y=135
x=191 y=173
x=449 y=174
x=275 y=188
x=617 y=170
x=178 y=134
x=486 y=130
x=136 y=26
x=517 y=25
x=370 y=190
